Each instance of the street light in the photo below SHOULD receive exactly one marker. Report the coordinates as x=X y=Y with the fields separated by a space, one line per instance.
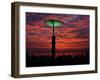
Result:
x=53 y=23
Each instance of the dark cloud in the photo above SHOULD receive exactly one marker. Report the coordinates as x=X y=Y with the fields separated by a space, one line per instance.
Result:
x=82 y=33
x=72 y=34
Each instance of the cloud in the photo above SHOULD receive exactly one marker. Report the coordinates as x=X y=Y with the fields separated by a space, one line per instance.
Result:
x=74 y=33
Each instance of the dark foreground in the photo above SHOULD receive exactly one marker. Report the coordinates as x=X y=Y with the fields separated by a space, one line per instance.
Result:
x=36 y=61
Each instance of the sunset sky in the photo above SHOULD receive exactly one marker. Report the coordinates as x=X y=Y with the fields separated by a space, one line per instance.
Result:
x=72 y=35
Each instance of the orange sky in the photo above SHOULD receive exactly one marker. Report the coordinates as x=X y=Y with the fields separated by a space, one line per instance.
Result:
x=73 y=34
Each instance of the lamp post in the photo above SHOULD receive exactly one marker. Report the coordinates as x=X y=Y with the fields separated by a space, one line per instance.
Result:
x=53 y=24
